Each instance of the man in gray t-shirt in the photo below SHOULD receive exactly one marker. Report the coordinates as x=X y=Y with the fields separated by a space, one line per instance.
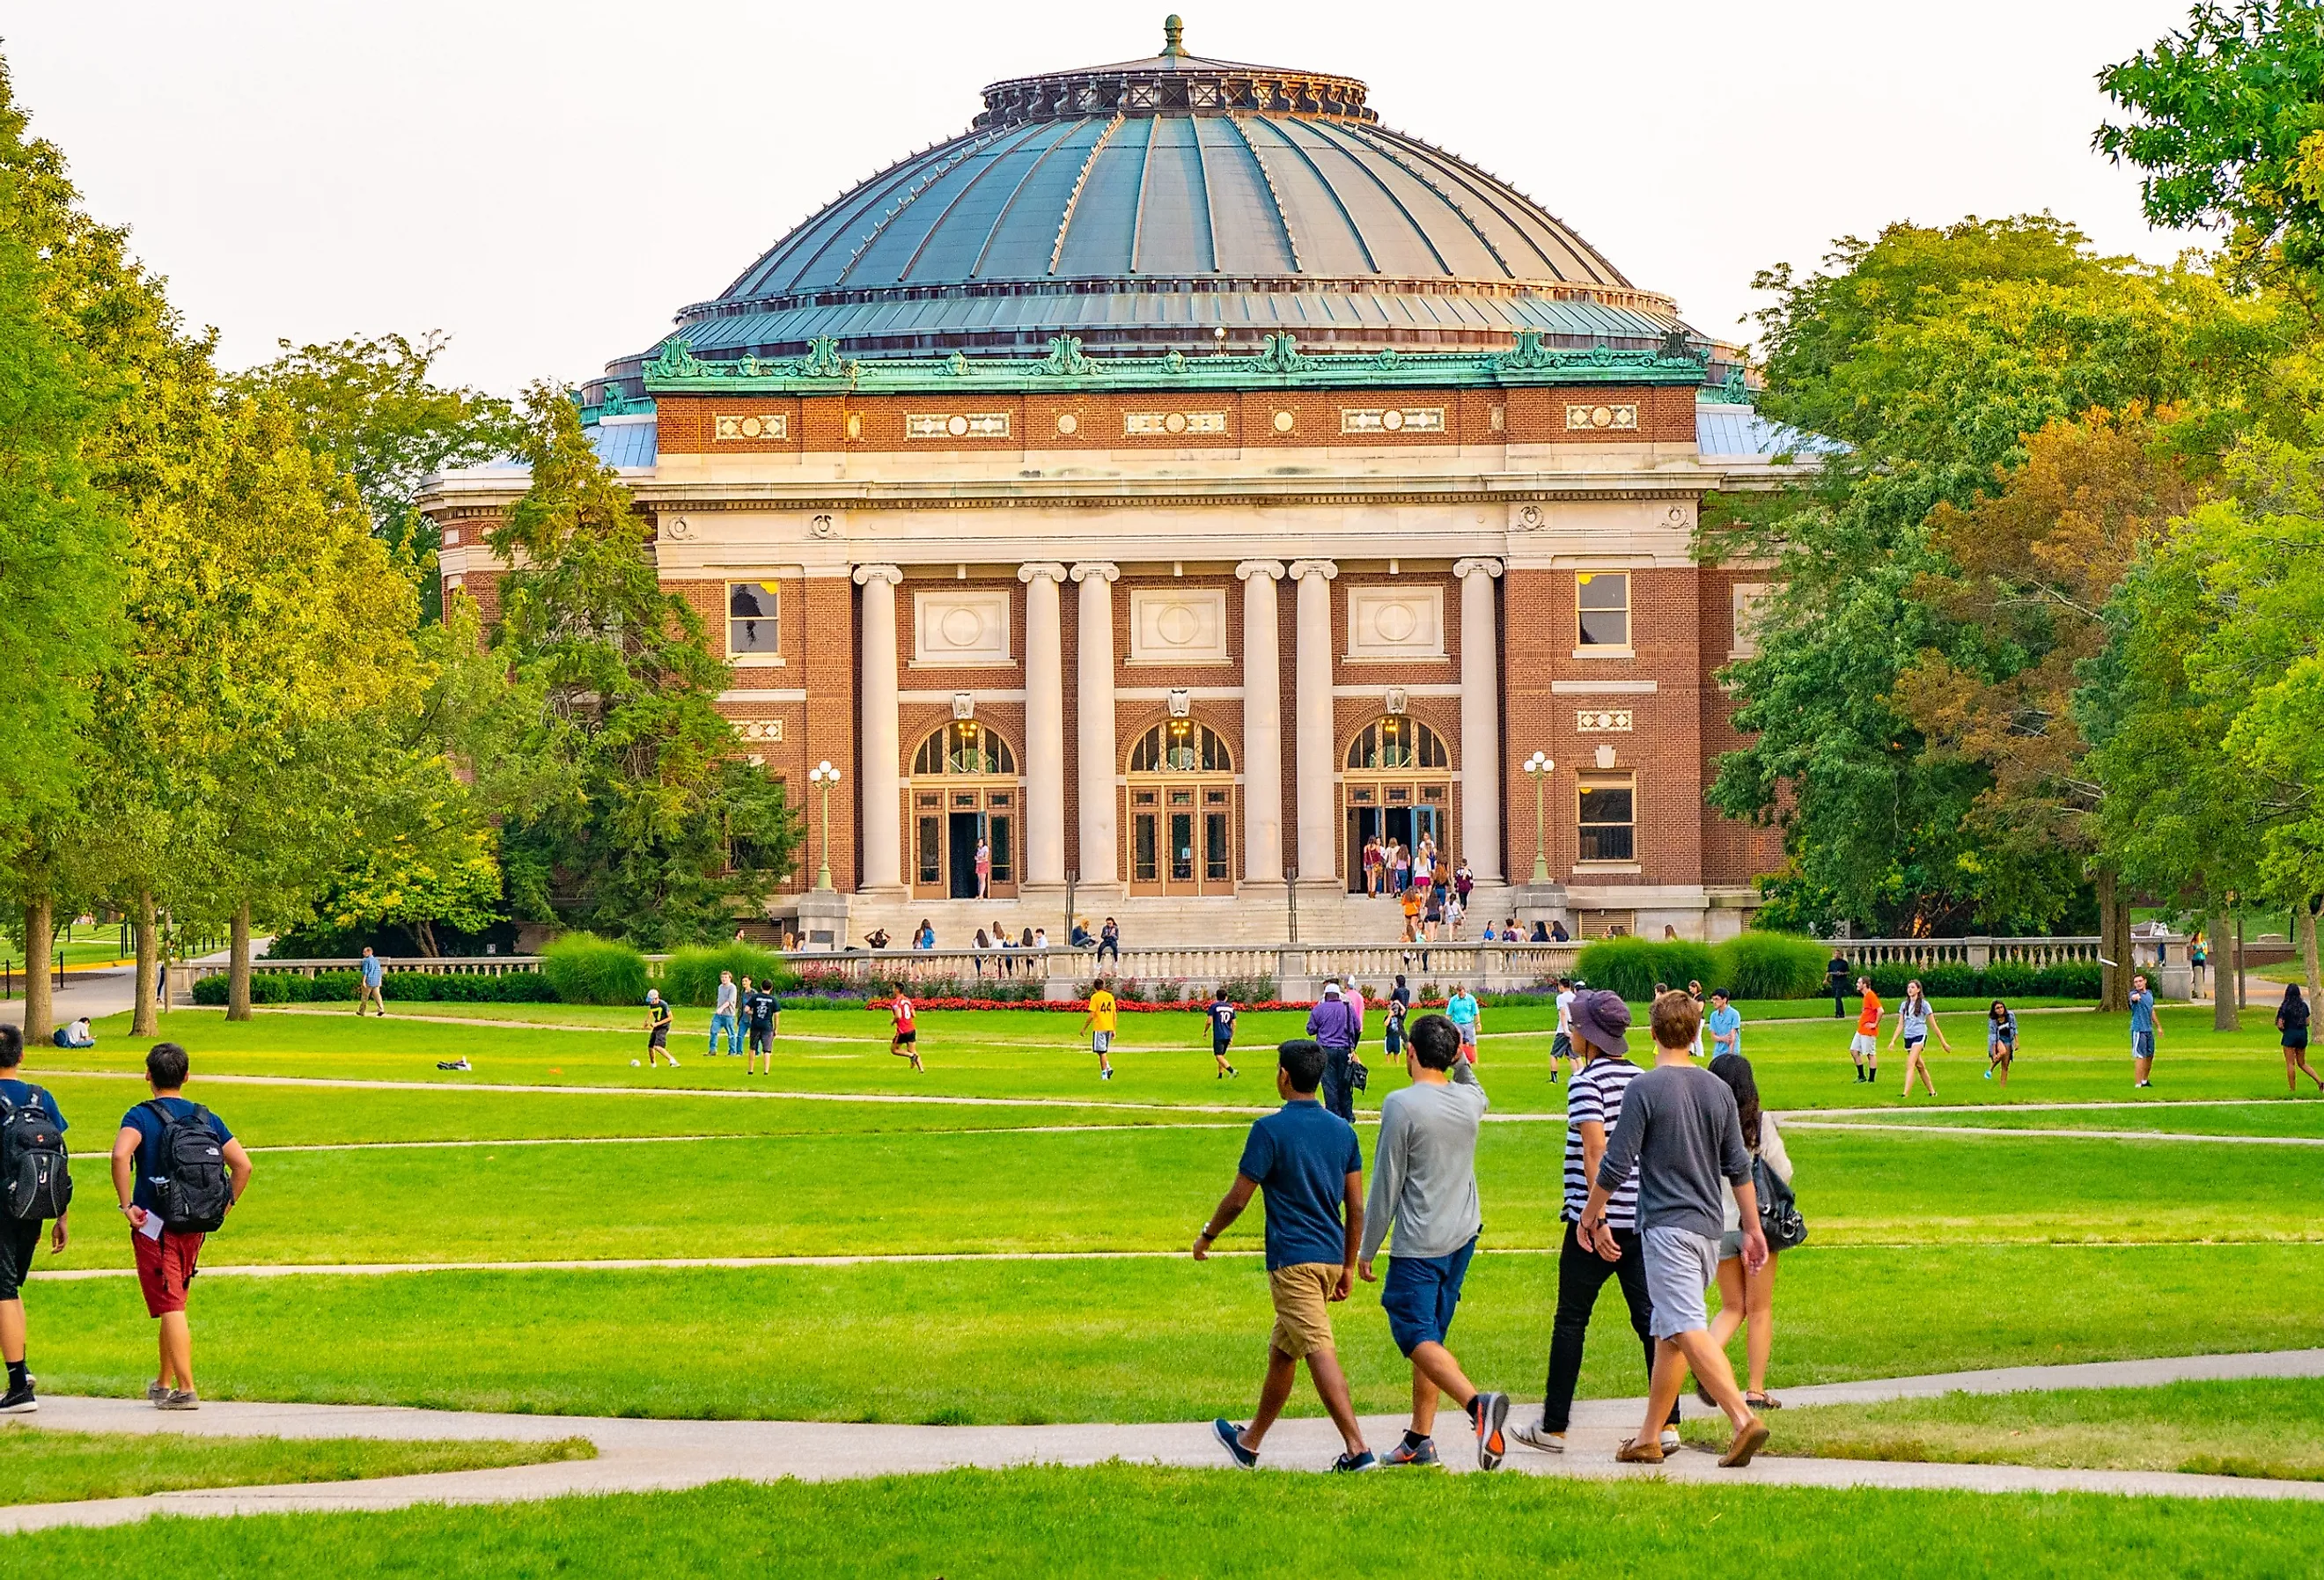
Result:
x=1679 y=1128
x=1425 y=1189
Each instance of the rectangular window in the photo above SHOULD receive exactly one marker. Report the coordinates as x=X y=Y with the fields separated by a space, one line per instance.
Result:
x=1603 y=599
x=750 y=623
x=1145 y=862
x=931 y=841
x=1607 y=818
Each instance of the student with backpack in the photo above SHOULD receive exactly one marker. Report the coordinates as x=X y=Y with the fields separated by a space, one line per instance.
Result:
x=178 y=1171
x=35 y=1187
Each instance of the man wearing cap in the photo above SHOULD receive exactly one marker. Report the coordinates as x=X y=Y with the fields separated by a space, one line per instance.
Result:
x=1334 y=1025
x=1598 y=1025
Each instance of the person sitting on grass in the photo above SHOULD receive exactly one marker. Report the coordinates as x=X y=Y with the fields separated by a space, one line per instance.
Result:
x=1680 y=1128
x=1424 y=1191
x=1098 y=1020
x=1307 y=1161
x=657 y=1020
x=905 y=1043
x=76 y=1035
x=20 y=1238
x=152 y=1138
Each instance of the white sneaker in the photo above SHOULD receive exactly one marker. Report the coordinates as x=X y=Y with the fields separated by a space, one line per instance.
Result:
x=673 y=1063
x=1533 y=1437
x=1670 y=1442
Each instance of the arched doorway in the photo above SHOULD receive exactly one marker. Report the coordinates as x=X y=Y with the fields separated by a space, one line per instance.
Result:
x=1396 y=785
x=1181 y=794
x=964 y=793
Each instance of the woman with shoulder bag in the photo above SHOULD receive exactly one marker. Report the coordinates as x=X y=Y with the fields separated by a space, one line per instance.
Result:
x=1749 y=1297
x=2292 y=1022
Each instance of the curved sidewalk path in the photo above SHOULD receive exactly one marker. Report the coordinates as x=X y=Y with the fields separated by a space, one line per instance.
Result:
x=651 y=1455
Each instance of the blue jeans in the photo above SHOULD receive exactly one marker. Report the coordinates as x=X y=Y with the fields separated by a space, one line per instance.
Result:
x=733 y=1036
x=1421 y=1295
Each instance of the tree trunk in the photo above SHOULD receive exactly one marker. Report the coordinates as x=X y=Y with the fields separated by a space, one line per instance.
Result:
x=2114 y=944
x=237 y=979
x=423 y=933
x=2308 y=951
x=143 y=1019
x=2223 y=968
x=40 y=1005
x=2243 y=990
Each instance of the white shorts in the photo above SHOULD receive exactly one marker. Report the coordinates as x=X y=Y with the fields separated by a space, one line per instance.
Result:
x=1680 y=1265
x=1865 y=1046
x=1101 y=1041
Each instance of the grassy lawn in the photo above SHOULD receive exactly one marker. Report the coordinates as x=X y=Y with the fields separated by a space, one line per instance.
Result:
x=1127 y=1520
x=2270 y=1427
x=1122 y=1340
x=39 y=1466
x=2279 y=1117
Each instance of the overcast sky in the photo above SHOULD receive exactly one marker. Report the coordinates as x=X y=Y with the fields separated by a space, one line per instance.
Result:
x=549 y=183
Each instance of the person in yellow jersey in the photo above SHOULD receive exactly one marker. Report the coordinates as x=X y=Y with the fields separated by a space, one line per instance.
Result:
x=1100 y=1023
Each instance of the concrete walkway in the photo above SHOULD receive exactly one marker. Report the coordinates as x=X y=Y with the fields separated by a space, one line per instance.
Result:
x=649 y=1455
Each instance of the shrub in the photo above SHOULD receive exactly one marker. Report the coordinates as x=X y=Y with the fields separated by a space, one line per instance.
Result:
x=1770 y=965
x=1251 y=989
x=690 y=975
x=2004 y=979
x=586 y=969
x=1679 y=961
x=1624 y=965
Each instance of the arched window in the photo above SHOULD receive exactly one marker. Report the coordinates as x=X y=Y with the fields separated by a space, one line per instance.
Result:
x=963 y=746
x=1180 y=746
x=1396 y=742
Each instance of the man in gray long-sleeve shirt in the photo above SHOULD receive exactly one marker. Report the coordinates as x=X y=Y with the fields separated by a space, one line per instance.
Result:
x=1679 y=1127
x=1425 y=1189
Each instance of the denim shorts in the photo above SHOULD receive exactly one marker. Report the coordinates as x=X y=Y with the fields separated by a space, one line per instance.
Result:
x=2142 y=1045
x=1421 y=1295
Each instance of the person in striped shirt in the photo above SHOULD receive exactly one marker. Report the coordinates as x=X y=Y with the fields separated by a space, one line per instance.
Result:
x=1599 y=1027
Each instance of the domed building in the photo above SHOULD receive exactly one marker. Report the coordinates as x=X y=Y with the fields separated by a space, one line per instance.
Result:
x=1180 y=485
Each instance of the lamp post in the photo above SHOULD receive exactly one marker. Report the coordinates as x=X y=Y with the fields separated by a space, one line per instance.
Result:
x=823 y=777
x=1539 y=767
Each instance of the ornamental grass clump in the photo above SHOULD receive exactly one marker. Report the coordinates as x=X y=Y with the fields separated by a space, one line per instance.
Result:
x=586 y=969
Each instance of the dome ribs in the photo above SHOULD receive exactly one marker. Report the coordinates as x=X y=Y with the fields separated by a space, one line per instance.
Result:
x=1418 y=229
x=943 y=167
x=1066 y=130
x=966 y=187
x=1387 y=153
x=1202 y=184
x=1144 y=170
x=1065 y=219
x=1267 y=177
x=1355 y=231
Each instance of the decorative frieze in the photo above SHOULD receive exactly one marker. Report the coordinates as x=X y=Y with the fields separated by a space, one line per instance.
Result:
x=1603 y=720
x=969 y=627
x=956 y=425
x=1614 y=419
x=1388 y=622
x=764 y=425
x=1401 y=418
x=1144 y=424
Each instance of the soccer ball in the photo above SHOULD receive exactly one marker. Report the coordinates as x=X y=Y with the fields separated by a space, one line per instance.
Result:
x=634 y=1064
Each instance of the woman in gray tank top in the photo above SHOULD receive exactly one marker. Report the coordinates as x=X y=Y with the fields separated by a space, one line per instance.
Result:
x=1916 y=1022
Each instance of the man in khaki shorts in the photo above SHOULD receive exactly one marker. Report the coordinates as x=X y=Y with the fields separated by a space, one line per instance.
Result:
x=1307 y=1161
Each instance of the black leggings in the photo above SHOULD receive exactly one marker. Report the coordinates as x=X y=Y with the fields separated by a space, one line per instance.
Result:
x=1581 y=1275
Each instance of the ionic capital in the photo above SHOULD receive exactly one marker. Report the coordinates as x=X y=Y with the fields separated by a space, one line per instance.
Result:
x=1048 y=567
x=1464 y=569
x=1272 y=569
x=1301 y=569
x=1098 y=570
x=865 y=574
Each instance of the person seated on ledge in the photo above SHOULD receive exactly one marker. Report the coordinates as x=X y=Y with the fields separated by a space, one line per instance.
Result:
x=77 y=1035
x=877 y=937
x=1083 y=937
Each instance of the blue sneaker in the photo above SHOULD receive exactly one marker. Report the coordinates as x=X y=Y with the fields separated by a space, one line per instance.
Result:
x=1230 y=1436
x=1347 y=1462
x=1407 y=1452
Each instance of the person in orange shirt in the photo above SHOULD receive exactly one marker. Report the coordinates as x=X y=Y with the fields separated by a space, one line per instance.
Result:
x=1866 y=1046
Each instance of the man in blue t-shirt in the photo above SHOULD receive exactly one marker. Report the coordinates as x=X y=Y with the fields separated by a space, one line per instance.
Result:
x=1306 y=1159
x=2143 y=1031
x=369 y=986
x=1724 y=1024
x=20 y=1238
x=166 y=1260
x=1223 y=1020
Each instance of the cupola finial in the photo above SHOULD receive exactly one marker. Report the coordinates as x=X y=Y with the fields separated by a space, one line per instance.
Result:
x=1173 y=31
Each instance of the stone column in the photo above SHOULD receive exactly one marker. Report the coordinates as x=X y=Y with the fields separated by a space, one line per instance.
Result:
x=1480 y=720
x=1093 y=720
x=880 y=783
x=1319 y=833
x=1263 y=723
x=1045 y=724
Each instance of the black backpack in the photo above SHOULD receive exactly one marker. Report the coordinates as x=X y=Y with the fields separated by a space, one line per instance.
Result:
x=1779 y=1209
x=36 y=1182
x=189 y=1169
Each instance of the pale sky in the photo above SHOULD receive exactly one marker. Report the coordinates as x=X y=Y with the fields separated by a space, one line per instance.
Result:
x=549 y=183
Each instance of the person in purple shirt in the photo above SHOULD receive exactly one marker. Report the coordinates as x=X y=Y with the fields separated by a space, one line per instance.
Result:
x=1335 y=1025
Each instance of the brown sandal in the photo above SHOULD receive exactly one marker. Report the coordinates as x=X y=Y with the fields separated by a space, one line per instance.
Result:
x=1762 y=1401
x=1636 y=1453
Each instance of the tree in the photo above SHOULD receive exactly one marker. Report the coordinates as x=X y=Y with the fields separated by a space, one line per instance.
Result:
x=374 y=406
x=1934 y=355
x=626 y=808
x=2227 y=125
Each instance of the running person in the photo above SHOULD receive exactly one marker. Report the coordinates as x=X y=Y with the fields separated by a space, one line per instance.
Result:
x=658 y=1029
x=2144 y=1031
x=1916 y=1021
x=2292 y=1021
x=2000 y=1040
x=1099 y=1022
x=1223 y=1022
x=1865 y=1046
x=904 y=1043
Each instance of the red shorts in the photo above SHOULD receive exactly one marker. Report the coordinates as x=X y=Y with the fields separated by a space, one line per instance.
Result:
x=164 y=1268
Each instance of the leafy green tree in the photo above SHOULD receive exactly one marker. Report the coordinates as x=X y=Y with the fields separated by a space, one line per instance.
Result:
x=2227 y=123
x=626 y=808
x=374 y=406
x=1934 y=355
